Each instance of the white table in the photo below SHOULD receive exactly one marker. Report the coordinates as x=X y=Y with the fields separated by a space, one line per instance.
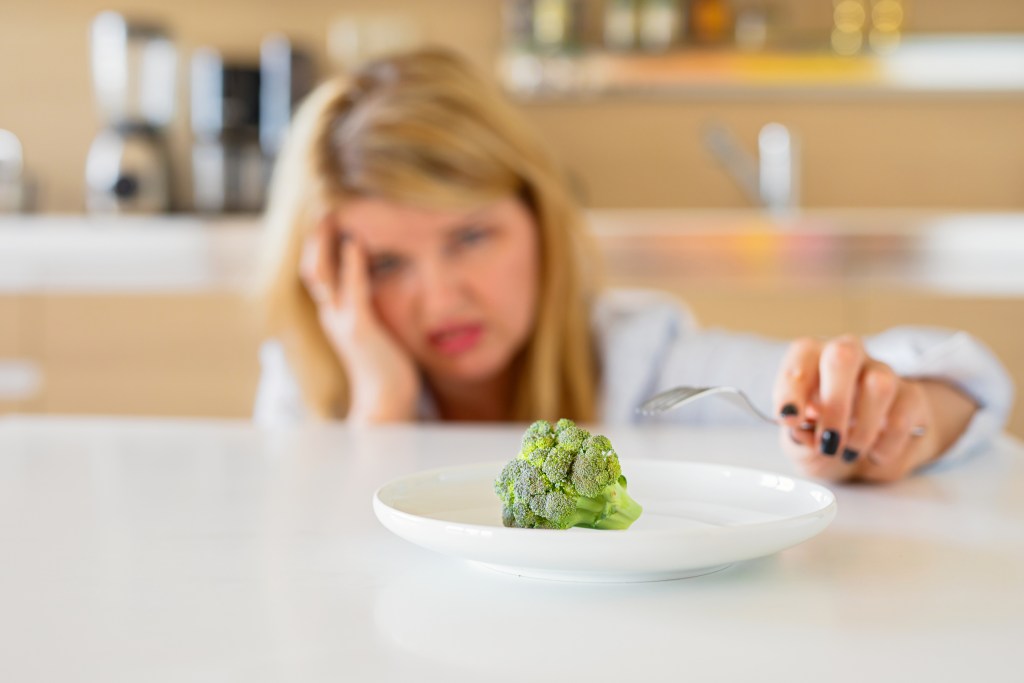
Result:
x=210 y=551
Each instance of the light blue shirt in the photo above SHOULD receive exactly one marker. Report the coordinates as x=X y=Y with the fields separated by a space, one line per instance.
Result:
x=648 y=342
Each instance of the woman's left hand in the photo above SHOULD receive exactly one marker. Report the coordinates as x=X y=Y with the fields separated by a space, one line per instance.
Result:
x=848 y=416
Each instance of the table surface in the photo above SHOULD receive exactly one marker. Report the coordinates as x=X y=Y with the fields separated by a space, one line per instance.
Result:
x=165 y=550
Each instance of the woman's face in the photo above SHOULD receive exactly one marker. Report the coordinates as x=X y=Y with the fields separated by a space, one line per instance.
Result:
x=457 y=289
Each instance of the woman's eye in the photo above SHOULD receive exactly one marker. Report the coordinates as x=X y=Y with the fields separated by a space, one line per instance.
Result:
x=471 y=236
x=384 y=265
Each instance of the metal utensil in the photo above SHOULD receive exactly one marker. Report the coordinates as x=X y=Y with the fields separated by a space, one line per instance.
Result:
x=678 y=396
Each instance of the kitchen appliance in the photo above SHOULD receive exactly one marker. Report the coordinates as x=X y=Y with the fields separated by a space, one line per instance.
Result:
x=240 y=114
x=228 y=169
x=134 y=67
x=286 y=77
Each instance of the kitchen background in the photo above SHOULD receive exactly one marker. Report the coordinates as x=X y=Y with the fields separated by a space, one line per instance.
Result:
x=953 y=150
x=892 y=191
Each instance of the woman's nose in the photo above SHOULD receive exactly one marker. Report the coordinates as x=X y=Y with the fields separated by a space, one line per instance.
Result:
x=441 y=291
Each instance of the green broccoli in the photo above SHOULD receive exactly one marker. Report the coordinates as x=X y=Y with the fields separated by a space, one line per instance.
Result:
x=564 y=477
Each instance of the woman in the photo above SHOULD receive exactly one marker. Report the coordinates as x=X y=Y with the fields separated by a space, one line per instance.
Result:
x=425 y=260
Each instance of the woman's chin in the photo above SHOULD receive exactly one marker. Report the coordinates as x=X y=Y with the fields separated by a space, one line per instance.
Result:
x=468 y=367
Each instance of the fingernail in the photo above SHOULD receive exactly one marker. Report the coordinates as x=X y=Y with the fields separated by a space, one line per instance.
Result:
x=788 y=410
x=849 y=455
x=829 y=442
x=792 y=437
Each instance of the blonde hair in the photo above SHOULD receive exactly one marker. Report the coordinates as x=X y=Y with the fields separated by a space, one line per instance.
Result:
x=423 y=129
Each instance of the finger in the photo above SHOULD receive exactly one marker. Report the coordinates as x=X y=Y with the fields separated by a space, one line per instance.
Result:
x=354 y=280
x=309 y=270
x=875 y=394
x=328 y=263
x=800 y=437
x=309 y=257
x=801 y=447
x=797 y=381
x=890 y=456
x=839 y=367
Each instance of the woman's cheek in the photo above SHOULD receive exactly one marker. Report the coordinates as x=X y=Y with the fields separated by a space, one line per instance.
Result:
x=393 y=309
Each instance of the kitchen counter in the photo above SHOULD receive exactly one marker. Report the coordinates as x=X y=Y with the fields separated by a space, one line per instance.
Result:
x=957 y=253
x=170 y=550
x=94 y=255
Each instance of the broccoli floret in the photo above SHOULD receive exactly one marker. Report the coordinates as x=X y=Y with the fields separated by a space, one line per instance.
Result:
x=562 y=424
x=539 y=435
x=564 y=477
x=558 y=464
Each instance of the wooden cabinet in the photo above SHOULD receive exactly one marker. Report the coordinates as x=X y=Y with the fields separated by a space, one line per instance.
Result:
x=19 y=362
x=177 y=355
x=197 y=355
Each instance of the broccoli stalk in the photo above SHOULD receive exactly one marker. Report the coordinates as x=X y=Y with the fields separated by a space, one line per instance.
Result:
x=564 y=477
x=614 y=508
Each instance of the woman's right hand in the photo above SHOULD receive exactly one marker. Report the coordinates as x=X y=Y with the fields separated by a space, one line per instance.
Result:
x=384 y=383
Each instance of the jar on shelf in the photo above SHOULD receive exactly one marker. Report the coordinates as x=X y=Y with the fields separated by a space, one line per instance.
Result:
x=659 y=24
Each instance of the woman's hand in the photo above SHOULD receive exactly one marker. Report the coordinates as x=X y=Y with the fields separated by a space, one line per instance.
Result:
x=848 y=416
x=384 y=382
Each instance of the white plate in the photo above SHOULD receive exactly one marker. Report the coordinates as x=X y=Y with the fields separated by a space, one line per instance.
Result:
x=697 y=518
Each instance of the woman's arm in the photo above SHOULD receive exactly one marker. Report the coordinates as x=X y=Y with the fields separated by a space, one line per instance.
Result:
x=650 y=342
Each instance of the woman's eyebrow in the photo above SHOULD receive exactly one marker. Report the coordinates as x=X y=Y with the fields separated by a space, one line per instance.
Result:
x=468 y=219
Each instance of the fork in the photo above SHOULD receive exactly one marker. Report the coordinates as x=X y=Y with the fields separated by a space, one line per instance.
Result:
x=673 y=398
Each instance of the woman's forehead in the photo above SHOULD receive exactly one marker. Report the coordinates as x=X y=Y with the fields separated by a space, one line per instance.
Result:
x=379 y=222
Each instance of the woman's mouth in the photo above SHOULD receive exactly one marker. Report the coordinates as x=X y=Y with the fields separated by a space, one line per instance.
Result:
x=455 y=339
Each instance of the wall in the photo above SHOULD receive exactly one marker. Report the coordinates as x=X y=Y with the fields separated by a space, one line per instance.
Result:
x=631 y=154
x=925 y=151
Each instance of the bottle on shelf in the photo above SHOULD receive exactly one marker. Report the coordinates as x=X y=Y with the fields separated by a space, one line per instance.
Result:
x=517 y=16
x=620 y=24
x=849 y=20
x=558 y=26
x=710 y=22
x=886 y=25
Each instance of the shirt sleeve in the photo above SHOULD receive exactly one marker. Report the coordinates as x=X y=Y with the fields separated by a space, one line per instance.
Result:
x=962 y=361
x=279 y=400
x=649 y=342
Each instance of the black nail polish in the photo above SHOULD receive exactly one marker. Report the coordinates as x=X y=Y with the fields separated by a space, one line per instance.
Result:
x=830 y=442
x=849 y=455
x=788 y=410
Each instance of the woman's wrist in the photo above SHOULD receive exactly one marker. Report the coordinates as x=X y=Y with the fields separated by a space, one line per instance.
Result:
x=951 y=413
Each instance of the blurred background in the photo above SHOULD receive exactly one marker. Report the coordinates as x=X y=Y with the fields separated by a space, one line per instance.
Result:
x=786 y=166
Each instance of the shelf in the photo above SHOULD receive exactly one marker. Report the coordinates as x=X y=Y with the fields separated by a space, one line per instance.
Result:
x=925 y=64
